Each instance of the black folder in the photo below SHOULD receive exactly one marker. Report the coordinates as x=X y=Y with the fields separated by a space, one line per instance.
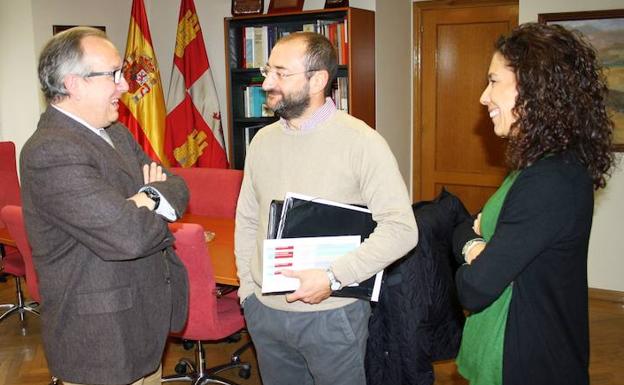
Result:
x=295 y=218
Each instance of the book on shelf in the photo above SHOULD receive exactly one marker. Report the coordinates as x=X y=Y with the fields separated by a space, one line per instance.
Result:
x=255 y=102
x=248 y=39
x=260 y=46
x=258 y=41
x=302 y=217
x=340 y=93
x=250 y=132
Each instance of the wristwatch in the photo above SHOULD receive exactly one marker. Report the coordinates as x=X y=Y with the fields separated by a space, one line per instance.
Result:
x=334 y=284
x=153 y=195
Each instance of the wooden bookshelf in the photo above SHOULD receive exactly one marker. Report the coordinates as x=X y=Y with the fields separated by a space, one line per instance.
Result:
x=358 y=65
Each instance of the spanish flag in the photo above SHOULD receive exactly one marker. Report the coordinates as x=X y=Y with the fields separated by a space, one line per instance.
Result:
x=194 y=135
x=143 y=107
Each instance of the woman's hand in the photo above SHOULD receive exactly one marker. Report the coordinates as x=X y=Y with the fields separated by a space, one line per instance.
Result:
x=474 y=251
x=476 y=226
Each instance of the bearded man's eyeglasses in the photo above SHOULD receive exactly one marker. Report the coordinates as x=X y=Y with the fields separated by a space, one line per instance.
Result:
x=267 y=71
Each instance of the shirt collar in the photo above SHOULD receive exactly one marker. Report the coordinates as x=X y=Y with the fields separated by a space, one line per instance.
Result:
x=318 y=117
x=79 y=120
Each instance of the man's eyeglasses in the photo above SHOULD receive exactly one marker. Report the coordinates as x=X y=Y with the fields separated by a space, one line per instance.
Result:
x=267 y=71
x=116 y=74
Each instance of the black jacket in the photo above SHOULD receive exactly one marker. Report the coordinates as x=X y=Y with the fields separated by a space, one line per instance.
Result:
x=418 y=319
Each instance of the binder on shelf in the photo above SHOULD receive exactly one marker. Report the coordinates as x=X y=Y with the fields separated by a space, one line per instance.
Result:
x=250 y=132
x=302 y=216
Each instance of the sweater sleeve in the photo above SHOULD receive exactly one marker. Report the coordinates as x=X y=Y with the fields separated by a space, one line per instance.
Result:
x=384 y=191
x=538 y=207
x=245 y=243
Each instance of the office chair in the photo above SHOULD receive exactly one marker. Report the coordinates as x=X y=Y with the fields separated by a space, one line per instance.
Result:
x=13 y=218
x=213 y=191
x=20 y=264
x=11 y=259
x=209 y=318
x=9 y=192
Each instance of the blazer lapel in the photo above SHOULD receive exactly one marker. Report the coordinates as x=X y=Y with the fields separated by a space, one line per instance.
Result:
x=116 y=154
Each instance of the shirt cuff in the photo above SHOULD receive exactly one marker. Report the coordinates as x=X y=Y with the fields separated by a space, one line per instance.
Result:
x=164 y=208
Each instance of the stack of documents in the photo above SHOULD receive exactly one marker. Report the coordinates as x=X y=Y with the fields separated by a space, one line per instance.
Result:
x=309 y=233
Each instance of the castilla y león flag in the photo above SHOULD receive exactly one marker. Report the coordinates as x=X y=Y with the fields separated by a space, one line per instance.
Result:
x=143 y=107
x=194 y=136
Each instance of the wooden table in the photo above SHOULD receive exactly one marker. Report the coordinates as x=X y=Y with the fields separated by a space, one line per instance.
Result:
x=5 y=237
x=221 y=247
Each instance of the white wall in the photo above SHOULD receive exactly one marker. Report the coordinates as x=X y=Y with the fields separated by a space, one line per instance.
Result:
x=606 y=247
x=19 y=110
x=393 y=72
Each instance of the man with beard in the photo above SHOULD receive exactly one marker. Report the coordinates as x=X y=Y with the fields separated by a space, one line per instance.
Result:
x=308 y=337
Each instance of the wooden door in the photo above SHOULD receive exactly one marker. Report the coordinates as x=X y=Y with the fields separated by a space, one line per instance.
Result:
x=454 y=143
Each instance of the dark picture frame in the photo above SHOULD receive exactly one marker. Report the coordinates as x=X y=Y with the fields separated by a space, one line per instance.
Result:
x=336 y=3
x=60 y=28
x=605 y=31
x=247 y=7
x=281 y=6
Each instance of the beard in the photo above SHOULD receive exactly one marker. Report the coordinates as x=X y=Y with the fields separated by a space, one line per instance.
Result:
x=293 y=105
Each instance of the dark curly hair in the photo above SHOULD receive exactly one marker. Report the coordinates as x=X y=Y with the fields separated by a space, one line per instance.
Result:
x=561 y=102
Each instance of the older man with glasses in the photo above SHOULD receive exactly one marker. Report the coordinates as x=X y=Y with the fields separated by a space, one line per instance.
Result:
x=96 y=210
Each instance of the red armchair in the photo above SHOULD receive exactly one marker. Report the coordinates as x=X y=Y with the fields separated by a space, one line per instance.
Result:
x=213 y=191
x=210 y=318
x=20 y=264
x=11 y=261
x=10 y=190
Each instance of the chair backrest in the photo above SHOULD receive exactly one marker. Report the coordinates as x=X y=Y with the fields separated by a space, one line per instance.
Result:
x=14 y=220
x=9 y=187
x=190 y=246
x=213 y=191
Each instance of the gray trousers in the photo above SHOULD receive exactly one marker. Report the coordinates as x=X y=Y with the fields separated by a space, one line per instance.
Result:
x=309 y=348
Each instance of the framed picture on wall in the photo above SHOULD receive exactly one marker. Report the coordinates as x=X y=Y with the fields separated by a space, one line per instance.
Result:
x=336 y=3
x=605 y=31
x=60 y=28
x=247 y=7
x=279 y=6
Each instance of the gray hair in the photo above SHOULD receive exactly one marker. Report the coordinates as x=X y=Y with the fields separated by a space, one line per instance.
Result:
x=62 y=55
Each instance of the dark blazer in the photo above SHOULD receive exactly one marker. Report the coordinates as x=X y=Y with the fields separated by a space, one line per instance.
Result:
x=110 y=283
x=540 y=244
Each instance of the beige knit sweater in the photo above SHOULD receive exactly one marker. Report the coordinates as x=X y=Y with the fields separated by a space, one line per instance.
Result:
x=342 y=159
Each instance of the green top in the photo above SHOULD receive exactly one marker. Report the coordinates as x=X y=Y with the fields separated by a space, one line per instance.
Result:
x=480 y=358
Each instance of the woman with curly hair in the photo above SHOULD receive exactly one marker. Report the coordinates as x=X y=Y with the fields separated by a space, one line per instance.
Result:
x=524 y=279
